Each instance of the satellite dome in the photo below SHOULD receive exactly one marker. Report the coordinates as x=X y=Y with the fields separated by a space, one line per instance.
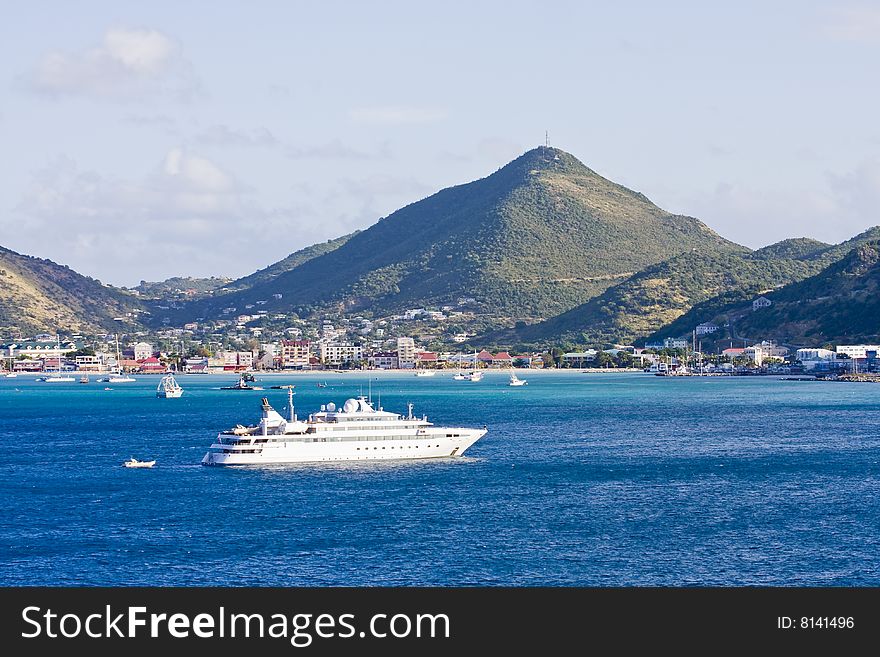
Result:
x=331 y=407
x=351 y=405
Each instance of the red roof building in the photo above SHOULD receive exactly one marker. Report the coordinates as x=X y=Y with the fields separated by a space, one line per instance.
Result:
x=151 y=365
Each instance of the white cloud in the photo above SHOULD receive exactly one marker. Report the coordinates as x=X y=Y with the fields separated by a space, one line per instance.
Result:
x=223 y=135
x=188 y=216
x=854 y=23
x=128 y=63
x=392 y=114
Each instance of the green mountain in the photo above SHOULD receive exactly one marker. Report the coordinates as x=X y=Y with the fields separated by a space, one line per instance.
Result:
x=657 y=295
x=840 y=304
x=292 y=261
x=39 y=295
x=672 y=297
x=734 y=303
x=178 y=285
x=796 y=248
x=537 y=237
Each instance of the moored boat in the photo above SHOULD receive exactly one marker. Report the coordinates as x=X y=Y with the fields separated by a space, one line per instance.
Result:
x=168 y=388
x=355 y=432
x=134 y=463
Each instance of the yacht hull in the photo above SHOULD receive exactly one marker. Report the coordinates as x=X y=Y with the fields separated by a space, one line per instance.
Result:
x=315 y=450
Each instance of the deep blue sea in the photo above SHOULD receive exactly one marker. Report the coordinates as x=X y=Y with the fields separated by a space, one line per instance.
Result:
x=583 y=479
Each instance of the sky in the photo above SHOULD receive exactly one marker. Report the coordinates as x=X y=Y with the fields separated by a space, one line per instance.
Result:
x=140 y=141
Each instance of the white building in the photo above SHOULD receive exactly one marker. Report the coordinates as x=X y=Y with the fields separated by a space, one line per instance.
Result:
x=813 y=358
x=340 y=353
x=384 y=360
x=142 y=350
x=761 y=302
x=669 y=343
x=406 y=352
x=706 y=328
x=857 y=350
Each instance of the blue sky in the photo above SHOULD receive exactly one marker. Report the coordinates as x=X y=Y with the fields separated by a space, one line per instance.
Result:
x=145 y=140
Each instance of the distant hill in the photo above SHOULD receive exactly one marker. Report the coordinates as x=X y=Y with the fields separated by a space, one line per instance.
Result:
x=178 y=285
x=670 y=298
x=292 y=261
x=796 y=248
x=657 y=296
x=734 y=303
x=39 y=295
x=537 y=237
x=839 y=304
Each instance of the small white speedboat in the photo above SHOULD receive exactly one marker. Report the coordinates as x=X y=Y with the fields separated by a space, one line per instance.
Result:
x=516 y=381
x=134 y=463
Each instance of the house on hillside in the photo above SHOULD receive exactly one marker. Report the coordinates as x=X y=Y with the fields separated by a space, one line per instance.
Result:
x=706 y=328
x=761 y=302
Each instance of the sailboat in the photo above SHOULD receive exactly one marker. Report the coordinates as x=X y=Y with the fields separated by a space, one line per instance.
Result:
x=117 y=376
x=169 y=388
x=459 y=376
x=57 y=376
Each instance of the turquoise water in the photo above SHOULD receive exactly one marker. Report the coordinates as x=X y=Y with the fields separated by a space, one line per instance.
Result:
x=583 y=479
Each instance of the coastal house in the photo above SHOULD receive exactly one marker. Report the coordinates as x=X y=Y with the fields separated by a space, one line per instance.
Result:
x=427 y=359
x=151 y=365
x=579 y=358
x=295 y=354
x=857 y=351
x=706 y=328
x=384 y=360
x=485 y=357
x=38 y=348
x=196 y=365
x=816 y=359
x=761 y=302
x=406 y=352
x=141 y=350
x=502 y=359
x=339 y=353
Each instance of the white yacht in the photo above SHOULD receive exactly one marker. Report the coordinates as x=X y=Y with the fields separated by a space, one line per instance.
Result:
x=169 y=388
x=58 y=378
x=516 y=381
x=355 y=432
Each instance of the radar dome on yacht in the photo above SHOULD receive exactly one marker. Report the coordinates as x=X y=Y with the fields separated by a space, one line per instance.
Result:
x=351 y=405
x=331 y=407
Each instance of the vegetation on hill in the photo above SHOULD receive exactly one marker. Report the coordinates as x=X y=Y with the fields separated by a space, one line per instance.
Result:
x=180 y=285
x=292 y=261
x=39 y=295
x=658 y=295
x=839 y=304
x=734 y=305
x=537 y=237
x=796 y=248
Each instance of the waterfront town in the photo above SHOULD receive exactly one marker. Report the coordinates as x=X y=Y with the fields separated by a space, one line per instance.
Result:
x=248 y=344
